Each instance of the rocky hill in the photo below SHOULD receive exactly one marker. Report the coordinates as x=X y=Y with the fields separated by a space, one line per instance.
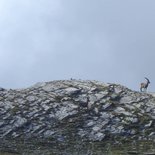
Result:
x=76 y=109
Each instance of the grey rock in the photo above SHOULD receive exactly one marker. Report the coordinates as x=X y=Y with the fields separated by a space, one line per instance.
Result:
x=114 y=97
x=149 y=124
x=6 y=132
x=99 y=96
x=48 y=88
x=93 y=98
x=72 y=90
x=91 y=123
x=119 y=110
x=96 y=128
x=99 y=136
x=148 y=109
x=90 y=104
x=118 y=90
x=126 y=99
x=65 y=111
x=31 y=98
x=19 y=121
x=89 y=110
x=106 y=115
x=1 y=123
x=96 y=110
x=116 y=130
x=45 y=107
x=106 y=105
x=48 y=133
x=134 y=120
x=82 y=98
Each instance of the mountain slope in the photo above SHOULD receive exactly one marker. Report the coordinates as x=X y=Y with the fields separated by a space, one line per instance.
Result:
x=76 y=109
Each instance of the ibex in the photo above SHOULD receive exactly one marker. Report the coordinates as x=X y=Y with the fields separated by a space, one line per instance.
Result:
x=144 y=85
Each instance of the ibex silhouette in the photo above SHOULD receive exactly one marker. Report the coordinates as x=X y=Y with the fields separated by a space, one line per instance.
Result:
x=144 y=85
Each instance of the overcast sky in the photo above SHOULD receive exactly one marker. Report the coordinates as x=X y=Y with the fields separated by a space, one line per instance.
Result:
x=105 y=40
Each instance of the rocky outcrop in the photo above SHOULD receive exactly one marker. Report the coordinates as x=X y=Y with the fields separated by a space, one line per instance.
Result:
x=76 y=109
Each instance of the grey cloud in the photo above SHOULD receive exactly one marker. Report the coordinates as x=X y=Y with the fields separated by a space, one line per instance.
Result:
x=106 y=40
